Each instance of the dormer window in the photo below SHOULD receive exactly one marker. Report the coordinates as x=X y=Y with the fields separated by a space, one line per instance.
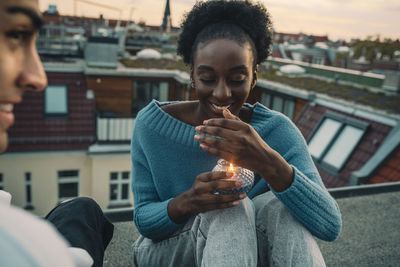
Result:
x=335 y=139
x=277 y=102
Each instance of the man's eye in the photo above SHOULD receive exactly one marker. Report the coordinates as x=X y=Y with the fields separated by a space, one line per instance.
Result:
x=19 y=35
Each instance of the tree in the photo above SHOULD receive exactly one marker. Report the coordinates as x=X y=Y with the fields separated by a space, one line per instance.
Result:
x=373 y=48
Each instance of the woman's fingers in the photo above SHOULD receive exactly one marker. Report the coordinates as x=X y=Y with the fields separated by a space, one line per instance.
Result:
x=203 y=193
x=213 y=181
x=230 y=124
x=213 y=186
x=216 y=131
x=213 y=176
x=210 y=141
x=218 y=152
x=228 y=115
x=219 y=201
x=224 y=128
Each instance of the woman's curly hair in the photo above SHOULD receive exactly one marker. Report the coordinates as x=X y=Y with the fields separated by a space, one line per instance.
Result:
x=238 y=20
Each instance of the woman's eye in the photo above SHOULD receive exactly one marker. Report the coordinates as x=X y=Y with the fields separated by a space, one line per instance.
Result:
x=238 y=82
x=238 y=79
x=207 y=81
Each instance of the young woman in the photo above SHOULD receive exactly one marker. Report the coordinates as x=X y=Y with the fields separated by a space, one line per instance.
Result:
x=175 y=146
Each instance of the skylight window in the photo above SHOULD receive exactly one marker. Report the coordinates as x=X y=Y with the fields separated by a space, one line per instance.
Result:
x=343 y=146
x=334 y=139
x=323 y=137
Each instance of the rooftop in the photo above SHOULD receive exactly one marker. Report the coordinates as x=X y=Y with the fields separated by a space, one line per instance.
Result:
x=375 y=99
x=371 y=230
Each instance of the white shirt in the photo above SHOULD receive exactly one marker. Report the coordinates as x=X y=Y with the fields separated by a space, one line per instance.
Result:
x=26 y=240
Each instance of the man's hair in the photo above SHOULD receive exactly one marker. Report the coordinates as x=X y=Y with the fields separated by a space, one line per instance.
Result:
x=237 y=20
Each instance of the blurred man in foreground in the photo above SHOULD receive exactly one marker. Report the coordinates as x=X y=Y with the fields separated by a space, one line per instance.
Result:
x=26 y=240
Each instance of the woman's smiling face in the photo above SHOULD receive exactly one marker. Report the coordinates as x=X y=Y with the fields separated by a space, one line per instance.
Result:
x=223 y=74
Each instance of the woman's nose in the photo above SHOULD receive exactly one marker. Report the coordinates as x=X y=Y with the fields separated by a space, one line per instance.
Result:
x=222 y=91
x=32 y=76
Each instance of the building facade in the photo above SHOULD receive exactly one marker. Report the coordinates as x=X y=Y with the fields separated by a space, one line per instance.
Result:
x=73 y=139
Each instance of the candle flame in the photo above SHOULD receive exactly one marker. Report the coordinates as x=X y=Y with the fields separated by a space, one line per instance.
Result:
x=231 y=168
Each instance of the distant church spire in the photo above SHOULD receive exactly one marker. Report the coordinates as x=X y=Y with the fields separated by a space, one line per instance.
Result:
x=166 y=24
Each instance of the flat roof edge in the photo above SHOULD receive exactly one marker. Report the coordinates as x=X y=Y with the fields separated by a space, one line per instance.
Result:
x=358 y=110
x=361 y=190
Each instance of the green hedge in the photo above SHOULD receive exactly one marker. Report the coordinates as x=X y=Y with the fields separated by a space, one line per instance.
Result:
x=337 y=75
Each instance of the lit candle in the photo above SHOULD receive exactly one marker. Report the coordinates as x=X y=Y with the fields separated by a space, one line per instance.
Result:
x=244 y=175
x=231 y=168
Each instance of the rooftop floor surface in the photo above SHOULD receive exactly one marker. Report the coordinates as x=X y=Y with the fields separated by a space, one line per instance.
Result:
x=370 y=234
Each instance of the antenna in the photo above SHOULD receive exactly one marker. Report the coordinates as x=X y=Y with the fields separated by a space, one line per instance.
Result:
x=96 y=4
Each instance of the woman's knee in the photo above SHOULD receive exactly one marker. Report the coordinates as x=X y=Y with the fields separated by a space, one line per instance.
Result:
x=269 y=203
x=269 y=211
x=244 y=209
x=281 y=238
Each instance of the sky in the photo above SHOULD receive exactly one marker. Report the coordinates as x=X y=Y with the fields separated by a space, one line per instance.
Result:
x=339 y=19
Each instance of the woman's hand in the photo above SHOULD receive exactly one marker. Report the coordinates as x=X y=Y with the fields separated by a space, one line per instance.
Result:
x=241 y=145
x=200 y=197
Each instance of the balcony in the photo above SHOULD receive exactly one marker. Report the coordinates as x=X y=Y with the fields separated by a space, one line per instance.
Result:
x=113 y=135
x=60 y=40
x=114 y=130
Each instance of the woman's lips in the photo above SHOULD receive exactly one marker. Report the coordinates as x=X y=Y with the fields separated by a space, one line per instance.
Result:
x=218 y=109
x=6 y=115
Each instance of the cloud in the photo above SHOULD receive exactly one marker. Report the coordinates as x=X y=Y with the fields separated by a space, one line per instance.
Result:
x=337 y=18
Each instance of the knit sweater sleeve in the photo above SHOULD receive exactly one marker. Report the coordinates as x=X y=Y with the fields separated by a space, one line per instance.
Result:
x=307 y=199
x=150 y=212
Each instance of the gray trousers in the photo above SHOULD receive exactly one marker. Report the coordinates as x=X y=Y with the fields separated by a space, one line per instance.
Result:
x=258 y=232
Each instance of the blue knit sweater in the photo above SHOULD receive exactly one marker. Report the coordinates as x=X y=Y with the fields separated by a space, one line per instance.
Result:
x=166 y=160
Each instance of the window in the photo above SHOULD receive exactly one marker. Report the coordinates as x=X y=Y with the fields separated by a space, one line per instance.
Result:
x=56 y=101
x=1 y=182
x=334 y=140
x=119 y=187
x=318 y=60
x=68 y=184
x=144 y=92
x=28 y=191
x=279 y=103
x=179 y=92
x=321 y=139
x=297 y=56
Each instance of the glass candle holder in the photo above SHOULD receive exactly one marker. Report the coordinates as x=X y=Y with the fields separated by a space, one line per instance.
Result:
x=241 y=174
